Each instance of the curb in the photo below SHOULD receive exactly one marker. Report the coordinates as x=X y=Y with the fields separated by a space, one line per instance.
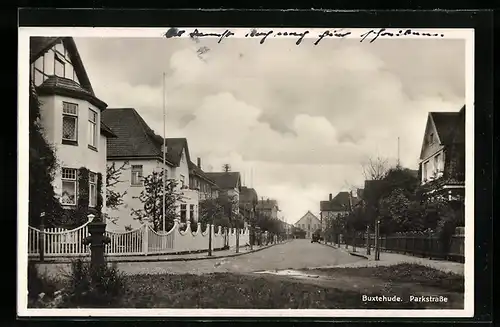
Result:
x=358 y=255
x=347 y=251
x=166 y=259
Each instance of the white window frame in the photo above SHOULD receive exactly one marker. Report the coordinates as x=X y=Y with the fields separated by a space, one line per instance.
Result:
x=65 y=178
x=93 y=128
x=59 y=60
x=72 y=115
x=92 y=184
x=139 y=170
x=437 y=163
x=424 y=170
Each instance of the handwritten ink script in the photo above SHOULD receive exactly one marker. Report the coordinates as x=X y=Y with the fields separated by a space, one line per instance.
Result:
x=375 y=34
x=370 y=36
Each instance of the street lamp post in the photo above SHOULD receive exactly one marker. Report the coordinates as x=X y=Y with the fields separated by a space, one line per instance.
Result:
x=377 y=244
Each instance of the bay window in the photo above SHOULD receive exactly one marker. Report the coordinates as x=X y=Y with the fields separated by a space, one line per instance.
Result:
x=68 y=194
x=92 y=129
x=70 y=122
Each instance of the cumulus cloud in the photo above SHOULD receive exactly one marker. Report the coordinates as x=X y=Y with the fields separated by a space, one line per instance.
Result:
x=296 y=121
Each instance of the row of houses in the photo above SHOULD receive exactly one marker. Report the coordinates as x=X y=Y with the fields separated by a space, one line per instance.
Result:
x=441 y=169
x=84 y=132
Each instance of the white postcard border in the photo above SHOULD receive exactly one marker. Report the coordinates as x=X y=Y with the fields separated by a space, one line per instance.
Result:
x=23 y=175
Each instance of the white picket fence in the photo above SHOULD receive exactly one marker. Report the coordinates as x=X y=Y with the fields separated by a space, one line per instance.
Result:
x=59 y=242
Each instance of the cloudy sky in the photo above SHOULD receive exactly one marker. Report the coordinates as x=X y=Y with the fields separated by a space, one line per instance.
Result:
x=303 y=119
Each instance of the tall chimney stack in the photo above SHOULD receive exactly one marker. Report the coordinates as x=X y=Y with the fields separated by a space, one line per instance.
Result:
x=199 y=162
x=330 y=197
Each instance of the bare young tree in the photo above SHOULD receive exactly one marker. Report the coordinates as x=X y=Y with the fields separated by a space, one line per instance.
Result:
x=226 y=168
x=114 y=199
x=375 y=168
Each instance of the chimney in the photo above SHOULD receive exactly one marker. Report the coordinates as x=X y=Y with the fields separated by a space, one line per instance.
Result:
x=330 y=197
x=199 y=162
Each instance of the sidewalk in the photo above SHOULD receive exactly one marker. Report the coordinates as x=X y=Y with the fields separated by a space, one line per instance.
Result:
x=389 y=259
x=217 y=254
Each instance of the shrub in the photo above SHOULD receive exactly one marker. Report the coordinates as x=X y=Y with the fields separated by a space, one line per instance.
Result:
x=94 y=286
x=39 y=283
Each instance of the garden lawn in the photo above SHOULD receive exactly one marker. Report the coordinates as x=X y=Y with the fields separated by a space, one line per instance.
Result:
x=226 y=290
x=402 y=274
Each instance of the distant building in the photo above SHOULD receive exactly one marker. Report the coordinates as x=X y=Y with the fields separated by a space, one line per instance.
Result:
x=341 y=204
x=248 y=202
x=442 y=157
x=309 y=223
x=268 y=207
x=198 y=180
x=229 y=185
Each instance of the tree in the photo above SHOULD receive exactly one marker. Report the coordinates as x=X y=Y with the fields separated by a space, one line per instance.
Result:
x=128 y=228
x=394 y=212
x=42 y=166
x=114 y=199
x=375 y=168
x=211 y=211
x=152 y=199
x=226 y=168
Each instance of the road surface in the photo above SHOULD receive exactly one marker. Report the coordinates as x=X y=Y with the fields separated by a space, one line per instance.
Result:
x=295 y=254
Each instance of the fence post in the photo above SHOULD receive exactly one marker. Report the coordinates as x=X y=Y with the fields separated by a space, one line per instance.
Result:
x=41 y=237
x=251 y=236
x=210 y=239
x=368 y=239
x=145 y=239
x=237 y=240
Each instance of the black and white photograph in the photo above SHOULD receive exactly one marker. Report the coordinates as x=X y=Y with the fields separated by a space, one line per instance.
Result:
x=246 y=172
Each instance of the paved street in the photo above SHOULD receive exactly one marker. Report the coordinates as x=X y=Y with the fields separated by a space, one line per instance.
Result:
x=295 y=254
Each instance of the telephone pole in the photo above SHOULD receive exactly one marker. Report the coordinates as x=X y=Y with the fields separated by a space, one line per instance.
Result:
x=399 y=163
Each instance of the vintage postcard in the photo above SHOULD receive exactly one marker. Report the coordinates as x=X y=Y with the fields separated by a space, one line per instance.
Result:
x=246 y=172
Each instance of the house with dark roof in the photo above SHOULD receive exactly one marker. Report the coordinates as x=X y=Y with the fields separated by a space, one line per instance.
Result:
x=309 y=223
x=71 y=117
x=229 y=185
x=248 y=202
x=341 y=204
x=268 y=207
x=140 y=151
x=442 y=156
x=198 y=180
